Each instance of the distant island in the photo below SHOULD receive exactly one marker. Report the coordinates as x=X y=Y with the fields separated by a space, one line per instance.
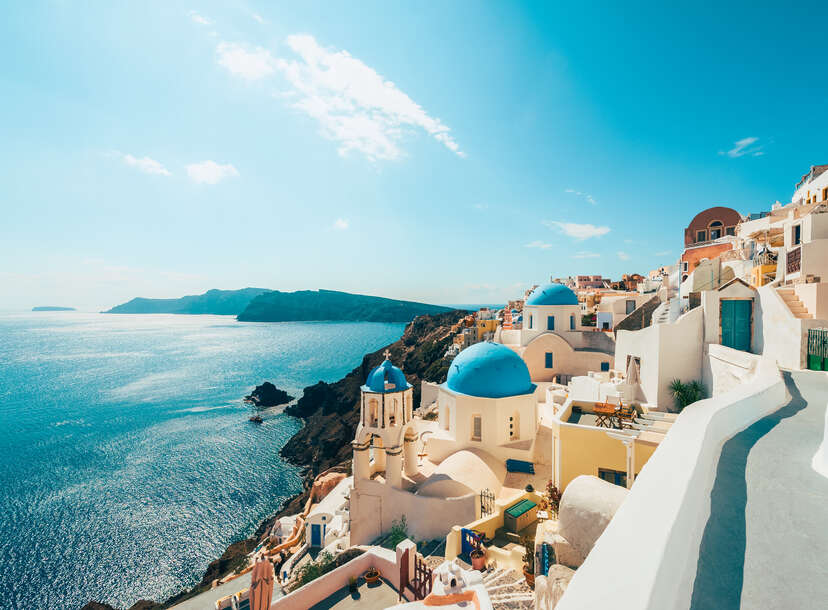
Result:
x=52 y=308
x=331 y=305
x=216 y=302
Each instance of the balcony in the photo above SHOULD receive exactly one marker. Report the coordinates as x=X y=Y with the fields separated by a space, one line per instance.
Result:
x=794 y=260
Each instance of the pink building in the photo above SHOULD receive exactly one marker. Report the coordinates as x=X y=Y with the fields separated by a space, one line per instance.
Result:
x=590 y=281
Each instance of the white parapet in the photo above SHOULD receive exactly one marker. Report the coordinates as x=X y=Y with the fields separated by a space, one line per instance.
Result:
x=646 y=558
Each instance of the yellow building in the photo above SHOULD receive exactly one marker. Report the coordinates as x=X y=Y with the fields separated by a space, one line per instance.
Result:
x=485 y=326
x=582 y=446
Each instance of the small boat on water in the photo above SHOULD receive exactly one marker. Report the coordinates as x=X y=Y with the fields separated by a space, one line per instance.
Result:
x=256 y=419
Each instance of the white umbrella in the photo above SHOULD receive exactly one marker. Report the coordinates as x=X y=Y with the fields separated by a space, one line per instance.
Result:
x=632 y=372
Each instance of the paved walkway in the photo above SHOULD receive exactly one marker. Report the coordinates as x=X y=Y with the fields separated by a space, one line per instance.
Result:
x=208 y=599
x=766 y=542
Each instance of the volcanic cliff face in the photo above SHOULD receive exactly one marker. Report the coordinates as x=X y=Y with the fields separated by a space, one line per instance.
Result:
x=331 y=410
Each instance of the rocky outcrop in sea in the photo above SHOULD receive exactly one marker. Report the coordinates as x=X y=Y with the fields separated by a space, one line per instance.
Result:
x=268 y=395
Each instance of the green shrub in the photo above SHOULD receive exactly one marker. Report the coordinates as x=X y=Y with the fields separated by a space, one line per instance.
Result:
x=398 y=533
x=686 y=393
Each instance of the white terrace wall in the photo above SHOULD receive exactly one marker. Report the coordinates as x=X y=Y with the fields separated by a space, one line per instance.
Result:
x=780 y=334
x=375 y=506
x=667 y=352
x=658 y=529
x=326 y=585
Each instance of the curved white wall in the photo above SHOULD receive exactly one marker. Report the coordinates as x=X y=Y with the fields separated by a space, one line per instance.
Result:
x=658 y=529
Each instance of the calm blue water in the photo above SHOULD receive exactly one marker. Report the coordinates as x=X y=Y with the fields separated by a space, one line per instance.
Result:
x=128 y=460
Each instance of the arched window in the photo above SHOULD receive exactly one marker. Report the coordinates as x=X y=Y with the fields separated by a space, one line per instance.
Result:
x=394 y=416
x=373 y=412
x=715 y=229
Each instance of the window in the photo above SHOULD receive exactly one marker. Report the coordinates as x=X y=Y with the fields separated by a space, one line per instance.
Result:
x=715 y=229
x=616 y=477
x=514 y=427
x=797 y=235
x=531 y=321
x=550 y=322
x=605 y=366
x=701 y=235
x=630 y=306
x=825 y=194
x=373 y=408
x=684 y=265
x=571 y=322
x=730 y=231
x=477 y=428
x=550 y=361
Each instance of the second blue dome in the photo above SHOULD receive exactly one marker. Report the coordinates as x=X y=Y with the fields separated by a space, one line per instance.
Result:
x=489 y=370
x=552 y=294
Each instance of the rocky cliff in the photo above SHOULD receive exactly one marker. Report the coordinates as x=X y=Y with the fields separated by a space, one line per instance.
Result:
x=331 y=410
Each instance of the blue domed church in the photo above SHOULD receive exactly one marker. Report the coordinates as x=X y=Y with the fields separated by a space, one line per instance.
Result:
x=433 y=472
x=553 y=342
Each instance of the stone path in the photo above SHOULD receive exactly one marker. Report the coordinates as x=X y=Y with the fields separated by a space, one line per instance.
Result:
x=765 y=544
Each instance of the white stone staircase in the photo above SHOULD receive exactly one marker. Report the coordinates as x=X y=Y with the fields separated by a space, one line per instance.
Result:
x=796 y=306
x=508 y=590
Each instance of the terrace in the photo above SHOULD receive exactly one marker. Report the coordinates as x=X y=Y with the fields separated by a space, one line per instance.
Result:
x=367 y=595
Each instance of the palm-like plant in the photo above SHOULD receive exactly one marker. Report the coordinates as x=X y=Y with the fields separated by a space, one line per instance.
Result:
x=686 y=393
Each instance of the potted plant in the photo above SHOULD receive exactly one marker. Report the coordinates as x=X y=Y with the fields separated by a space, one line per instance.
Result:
x=352 y=584
x=554 y=496
x=372 y=575
x=478 y=558
x=529 y=561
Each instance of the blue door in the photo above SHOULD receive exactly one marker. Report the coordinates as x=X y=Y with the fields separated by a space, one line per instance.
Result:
x=316 y=535
x=736 y=324
x=550 y=322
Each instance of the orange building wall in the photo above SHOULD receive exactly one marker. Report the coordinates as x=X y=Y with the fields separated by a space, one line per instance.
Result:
x=694 y=255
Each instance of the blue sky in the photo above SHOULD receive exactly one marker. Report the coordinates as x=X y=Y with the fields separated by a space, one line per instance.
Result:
x=445 y=152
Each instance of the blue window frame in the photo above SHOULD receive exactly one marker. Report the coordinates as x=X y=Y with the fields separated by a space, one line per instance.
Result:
x=550 y=362
x=571 y=322
x=550 y=322
x=605 y=366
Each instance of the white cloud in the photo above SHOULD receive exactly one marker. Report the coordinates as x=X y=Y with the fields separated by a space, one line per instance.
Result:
x=258 y=18
x=578 y=231
x=538 y=244
x=743 y=147
x=341 y=224
x=249 y=64
x=586 y=196
x=623 y=256
x=146 y=165
x=584 y=254
x=353 y=104
x=199 y=19
x=210 y=172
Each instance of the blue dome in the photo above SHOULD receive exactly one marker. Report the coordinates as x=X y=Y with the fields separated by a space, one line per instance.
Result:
x=386 y=378
x=552 y=294
x=489 y=370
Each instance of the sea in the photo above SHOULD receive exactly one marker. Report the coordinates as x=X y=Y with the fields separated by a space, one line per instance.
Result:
x=128 y=461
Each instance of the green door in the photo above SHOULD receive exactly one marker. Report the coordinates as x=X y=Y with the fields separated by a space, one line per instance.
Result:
x=736 y=324
x=818 y=349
